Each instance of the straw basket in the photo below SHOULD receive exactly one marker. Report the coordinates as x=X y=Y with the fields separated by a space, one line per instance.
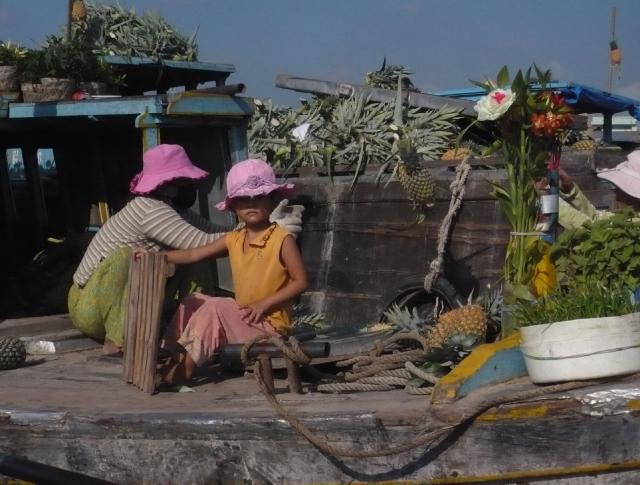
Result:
x=8 y=78
x=49 y=89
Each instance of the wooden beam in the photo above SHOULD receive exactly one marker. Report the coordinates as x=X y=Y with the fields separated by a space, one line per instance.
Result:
x=419 y=100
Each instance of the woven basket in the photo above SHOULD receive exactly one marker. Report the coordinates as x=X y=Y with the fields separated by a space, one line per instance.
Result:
x=8 y=78
x=49 y=89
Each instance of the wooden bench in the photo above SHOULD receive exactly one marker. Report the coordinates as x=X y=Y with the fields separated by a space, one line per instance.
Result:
x=147 y=281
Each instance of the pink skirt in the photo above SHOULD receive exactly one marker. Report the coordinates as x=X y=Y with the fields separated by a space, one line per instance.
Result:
x=204 y=323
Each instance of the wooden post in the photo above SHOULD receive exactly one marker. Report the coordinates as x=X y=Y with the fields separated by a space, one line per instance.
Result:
x=267 y=372
x=607 y=127
x=293 y=376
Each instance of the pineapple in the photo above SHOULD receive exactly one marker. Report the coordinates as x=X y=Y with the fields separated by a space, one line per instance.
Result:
x=12 y=352
x=416 y=180
x=78 y=10
x=584 y=145
x=468 y=320
x=456 y=154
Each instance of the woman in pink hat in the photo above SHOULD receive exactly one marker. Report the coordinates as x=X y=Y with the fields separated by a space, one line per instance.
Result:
x=154 y=219
x=267 y=270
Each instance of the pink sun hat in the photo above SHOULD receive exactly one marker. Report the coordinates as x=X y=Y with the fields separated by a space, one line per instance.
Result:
x=161 y=164
x=251 y=178
x=626 y=175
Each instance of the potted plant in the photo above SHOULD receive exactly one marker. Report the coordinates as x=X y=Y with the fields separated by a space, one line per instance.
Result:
x=53 y=72
x=584 y=331
x=10 y=55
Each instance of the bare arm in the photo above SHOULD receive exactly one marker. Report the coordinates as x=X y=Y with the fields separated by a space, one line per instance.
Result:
x=298 y=282
x=215 y=249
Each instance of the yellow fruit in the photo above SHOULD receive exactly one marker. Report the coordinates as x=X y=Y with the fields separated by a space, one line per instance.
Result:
x=585 y=145
x=78 y=10
x=416 y=181
x=469 y=320
x=453 y=154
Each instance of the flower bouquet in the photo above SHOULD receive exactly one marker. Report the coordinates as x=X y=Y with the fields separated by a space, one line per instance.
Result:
x=528 y=118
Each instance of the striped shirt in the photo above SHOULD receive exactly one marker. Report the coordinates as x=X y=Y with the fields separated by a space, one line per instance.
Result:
x=148 y=223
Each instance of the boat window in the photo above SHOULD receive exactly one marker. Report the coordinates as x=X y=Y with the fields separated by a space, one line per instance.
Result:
x=15 y=164
x=46 y=163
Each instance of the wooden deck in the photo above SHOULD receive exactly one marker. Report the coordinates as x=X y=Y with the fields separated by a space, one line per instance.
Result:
x=74 y=411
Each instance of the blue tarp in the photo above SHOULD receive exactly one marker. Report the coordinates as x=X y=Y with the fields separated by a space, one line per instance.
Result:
x=584 y=99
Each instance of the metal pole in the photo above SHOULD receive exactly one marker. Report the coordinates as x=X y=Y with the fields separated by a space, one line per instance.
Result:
x=69 y=19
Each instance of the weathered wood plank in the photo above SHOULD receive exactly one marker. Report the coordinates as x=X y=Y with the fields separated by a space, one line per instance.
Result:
x=421 y=100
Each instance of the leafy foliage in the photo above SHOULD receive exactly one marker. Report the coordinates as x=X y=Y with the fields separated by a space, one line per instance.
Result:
x=305 y=320
x=345 y=133
x=114 y=30
x=590 y=299
x=403 y=319
x=60 y=58
x=609 y=247
x=387 y=78
x=10 y=53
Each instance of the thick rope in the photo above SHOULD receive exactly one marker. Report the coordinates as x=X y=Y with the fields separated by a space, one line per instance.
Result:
x=424 y=438
x=354 y=387
x=457 y=194
x=425 y=376
x=291 y=348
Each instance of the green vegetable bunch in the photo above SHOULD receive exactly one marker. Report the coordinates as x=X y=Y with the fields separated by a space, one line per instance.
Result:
x=609 y=248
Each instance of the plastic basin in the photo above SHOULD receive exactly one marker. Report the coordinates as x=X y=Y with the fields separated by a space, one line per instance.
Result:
x=582 y=349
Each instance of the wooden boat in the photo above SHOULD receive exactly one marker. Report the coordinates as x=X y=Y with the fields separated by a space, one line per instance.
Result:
x=73 y=411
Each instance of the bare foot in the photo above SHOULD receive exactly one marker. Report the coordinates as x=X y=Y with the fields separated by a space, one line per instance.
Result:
x=110 y=348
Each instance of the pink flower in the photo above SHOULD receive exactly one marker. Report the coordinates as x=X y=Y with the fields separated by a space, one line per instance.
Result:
x=495 y=104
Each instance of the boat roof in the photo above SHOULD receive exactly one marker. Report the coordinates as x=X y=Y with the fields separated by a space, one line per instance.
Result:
x=584 y=99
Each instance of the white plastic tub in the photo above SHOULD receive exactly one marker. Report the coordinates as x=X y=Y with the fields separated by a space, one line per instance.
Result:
x=582 y=349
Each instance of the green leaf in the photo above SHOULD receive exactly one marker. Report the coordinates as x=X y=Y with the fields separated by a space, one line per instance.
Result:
x=503 y=77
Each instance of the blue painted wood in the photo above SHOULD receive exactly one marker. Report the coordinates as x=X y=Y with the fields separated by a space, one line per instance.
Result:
x=221 y=105
x=502 y=366
x=238 y=142
x=150 y=130
x=216 y=67
x=102 y=107
x=184 y=104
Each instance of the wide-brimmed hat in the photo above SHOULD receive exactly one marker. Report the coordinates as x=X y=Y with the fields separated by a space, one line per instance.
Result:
x=251 y=178
x=162 y=164
x=626 y=175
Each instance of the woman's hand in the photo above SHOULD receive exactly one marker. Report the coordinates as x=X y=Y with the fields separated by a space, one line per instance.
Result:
x=254 y=312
